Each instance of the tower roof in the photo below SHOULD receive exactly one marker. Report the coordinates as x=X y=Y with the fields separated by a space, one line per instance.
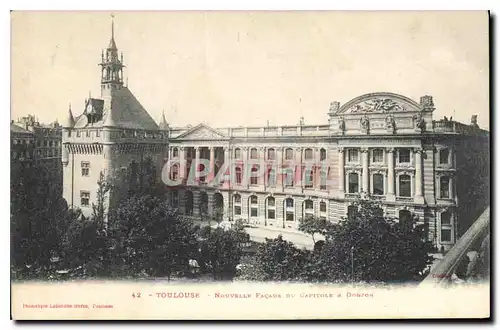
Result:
x=70 y=120
x=112 y=44
x=163 y=122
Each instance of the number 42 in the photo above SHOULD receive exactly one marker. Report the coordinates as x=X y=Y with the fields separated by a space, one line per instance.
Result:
x=136 y=295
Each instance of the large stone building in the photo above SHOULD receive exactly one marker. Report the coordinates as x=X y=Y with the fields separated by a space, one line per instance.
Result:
x=113 y=135
x=382 y=146
x=40 y=144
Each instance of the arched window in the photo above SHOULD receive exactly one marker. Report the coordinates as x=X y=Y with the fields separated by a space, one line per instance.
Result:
x=308 y=209
x=254 y=206
x=353 y=183
x=238 y=175
x=174 y=172
x=378 y=184
x=444 y=156
x=237 y=204
x=308 y=154
x=253 y=153
x=189 y=202
x=322 y=154
x=271 y=154
x=271 y=208
x=404 y=185
x=446 y=218
x=175 y=152
x=289 y=210
x=444 y=187
x=237 y=153
x=289 y=154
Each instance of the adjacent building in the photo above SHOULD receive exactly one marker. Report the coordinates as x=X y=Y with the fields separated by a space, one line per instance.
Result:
x=112 y=137
x=40 y=144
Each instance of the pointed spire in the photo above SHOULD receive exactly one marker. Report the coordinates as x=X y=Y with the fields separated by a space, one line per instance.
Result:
x=112 y=44
x=163 y=122
x=70 y=120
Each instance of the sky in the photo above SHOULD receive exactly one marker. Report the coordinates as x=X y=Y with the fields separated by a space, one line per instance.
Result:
x=247 y=68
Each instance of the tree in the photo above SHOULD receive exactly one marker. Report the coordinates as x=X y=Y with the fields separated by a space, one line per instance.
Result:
x=38 y=217
x=275 y=260
x=312 y=226
x=99 y=209
x=220 y=251
x=154 y=238
x=366 y=246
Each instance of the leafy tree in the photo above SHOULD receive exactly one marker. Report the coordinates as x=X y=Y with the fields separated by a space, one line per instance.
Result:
x=220 y=251
x=368 y=247
x=38 y=216
x=154 y=238
x=275 y=260
x=99 y=209
x=312 y=226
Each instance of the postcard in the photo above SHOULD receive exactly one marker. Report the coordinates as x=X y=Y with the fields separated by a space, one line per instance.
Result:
x=250 y=165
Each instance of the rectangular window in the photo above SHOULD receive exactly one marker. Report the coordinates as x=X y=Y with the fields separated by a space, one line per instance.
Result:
x=253 y=212
x=353 y=156
x=308 y=154
x=378 y=184
x=309 y=178
x=289 y=216
x=404 y=155
x=270 y=202
x=405 y=186
x=444 y=156
x=270 y=154
x=271 y=214
x=322 y=207
x=288 y=154
x=84 y=198
x=85 y=168
x=237 y=210
x=378 y=156
x=353 y=183
x=444 y=185
x=445 y=218
x=445 y=235
x=237 y=153
x=253 y=153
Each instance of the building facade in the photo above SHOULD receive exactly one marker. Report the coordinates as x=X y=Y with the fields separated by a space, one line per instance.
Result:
x=40 y=144
x=381 y=146
x=113 y=138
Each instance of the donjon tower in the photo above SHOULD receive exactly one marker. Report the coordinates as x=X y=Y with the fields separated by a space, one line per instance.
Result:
x=114 y=136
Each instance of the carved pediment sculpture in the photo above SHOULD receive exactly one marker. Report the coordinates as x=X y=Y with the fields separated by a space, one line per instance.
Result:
x=365 y=124
x=390 y=124
x=419 y=120
x=342 y=124
x=378 y=105
x=334 y=106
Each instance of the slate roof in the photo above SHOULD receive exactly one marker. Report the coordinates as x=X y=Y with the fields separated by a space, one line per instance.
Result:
x=125 y=112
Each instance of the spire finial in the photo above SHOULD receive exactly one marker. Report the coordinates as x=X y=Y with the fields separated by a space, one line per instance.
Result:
x=112 y=26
